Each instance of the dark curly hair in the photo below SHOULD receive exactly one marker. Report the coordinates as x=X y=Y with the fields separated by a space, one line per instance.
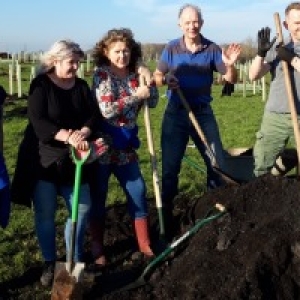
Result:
x=118 y=35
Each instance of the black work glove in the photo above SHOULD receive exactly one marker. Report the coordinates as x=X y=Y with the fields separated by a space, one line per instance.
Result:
x=285 y=54
x=264 y=43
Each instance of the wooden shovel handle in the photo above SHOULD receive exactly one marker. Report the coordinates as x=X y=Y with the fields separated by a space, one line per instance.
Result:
x=227 y=178
x=151 y=148
x=197 y=127
x=155 y=176
x=288 y=85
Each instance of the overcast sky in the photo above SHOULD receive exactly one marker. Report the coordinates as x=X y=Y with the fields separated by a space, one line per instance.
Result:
x=33 y=25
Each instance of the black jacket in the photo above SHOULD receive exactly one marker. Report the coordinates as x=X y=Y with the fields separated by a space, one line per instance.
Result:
x=40 y=156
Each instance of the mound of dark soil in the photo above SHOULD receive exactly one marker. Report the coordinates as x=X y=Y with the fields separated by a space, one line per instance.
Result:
x=251 y=252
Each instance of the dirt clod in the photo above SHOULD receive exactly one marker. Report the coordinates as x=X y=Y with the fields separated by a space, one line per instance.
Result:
x=66 y=287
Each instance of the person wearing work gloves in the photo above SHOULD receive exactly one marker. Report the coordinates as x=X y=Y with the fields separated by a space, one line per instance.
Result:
x=276 y=127
x=189 y=63
x=120 y=98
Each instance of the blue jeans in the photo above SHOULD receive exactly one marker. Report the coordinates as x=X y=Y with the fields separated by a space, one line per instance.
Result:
x=45 y=205
x=132 y=183
x=176 y=130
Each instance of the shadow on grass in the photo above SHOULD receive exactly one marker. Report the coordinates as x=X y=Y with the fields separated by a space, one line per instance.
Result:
x=112 y=282
x=12 y=289
x=16 y=112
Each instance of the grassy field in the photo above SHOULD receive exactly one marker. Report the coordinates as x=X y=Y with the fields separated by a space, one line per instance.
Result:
x=238 y=118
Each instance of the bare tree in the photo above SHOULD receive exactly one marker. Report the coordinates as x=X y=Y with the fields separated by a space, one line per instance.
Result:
x=152 y=51
x=249 y=49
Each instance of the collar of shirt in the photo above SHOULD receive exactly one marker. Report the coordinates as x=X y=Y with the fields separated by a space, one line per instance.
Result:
x=203 y=44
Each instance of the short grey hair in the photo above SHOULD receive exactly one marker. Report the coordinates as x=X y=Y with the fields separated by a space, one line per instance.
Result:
x=58 y=51
x=194 y=7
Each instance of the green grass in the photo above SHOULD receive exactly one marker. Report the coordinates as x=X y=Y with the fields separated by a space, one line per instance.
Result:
x=239 y=118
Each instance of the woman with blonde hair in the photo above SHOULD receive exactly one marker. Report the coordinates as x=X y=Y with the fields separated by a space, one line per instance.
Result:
x=62 y=113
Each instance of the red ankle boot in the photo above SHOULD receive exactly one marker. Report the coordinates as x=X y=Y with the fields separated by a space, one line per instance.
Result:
x=142 y=235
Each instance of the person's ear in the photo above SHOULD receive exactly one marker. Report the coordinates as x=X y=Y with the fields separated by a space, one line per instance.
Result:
x=55 y=62
x=285 y=25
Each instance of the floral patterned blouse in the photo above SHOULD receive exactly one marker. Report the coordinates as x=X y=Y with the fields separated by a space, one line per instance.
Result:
x=120 y=111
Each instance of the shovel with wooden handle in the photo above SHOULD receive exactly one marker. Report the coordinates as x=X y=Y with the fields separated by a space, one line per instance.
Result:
x=155 y=176
x=288 y=86
x=226 y=178
x=68 y=275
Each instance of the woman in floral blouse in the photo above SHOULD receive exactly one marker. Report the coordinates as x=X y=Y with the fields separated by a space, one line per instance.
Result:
x=120 y=98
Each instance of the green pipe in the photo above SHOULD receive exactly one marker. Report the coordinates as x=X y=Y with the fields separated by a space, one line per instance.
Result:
x=141 y=280
x=193 y=164
x=199 y=224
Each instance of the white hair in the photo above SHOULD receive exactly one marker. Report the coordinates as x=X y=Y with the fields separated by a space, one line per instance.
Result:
x=194 y=7
x=58 y=51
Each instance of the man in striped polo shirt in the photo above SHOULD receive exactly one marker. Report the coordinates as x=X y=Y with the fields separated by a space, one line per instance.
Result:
x=188 y=63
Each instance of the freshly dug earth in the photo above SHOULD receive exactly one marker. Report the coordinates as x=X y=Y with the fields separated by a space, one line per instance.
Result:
x=251 y=252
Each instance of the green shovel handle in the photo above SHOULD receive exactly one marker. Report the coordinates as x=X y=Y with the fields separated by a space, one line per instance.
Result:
x=80 y=160
x=76 y=191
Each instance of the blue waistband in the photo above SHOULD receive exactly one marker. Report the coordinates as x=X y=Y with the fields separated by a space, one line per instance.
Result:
x=122 y=138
